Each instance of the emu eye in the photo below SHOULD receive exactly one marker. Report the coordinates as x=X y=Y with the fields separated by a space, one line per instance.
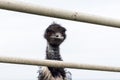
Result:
x=63 y=33
x=50 y=32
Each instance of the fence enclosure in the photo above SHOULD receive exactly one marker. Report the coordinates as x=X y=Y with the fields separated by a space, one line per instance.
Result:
x=63 y=14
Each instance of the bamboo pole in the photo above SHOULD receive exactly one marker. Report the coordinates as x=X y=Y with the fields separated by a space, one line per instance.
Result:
x=57 y=13
x=53 y=63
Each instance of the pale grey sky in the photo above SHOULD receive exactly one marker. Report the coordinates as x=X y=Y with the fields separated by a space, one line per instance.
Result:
x=21 y=35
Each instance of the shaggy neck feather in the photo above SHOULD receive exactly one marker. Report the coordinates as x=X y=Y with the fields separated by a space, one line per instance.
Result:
x=53 y=53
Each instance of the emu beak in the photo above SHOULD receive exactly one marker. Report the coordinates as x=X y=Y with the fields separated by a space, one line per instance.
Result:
x=57 y=36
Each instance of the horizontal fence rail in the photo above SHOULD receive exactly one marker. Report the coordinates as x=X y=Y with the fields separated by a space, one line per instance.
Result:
x=57 y=13
x=53 y=63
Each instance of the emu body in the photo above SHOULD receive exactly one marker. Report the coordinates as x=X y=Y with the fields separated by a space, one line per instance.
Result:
x=55 y=35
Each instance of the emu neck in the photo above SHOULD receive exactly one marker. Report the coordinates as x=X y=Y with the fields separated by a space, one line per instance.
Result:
x=53 y=53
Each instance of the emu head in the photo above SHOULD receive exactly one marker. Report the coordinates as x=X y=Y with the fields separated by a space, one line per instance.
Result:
x=55 y=34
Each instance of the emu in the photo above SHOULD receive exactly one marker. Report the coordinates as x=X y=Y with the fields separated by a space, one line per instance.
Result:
x=55 y=35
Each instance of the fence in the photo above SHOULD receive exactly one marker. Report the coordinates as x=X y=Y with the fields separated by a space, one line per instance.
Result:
x=53 y=63
x=57 y=13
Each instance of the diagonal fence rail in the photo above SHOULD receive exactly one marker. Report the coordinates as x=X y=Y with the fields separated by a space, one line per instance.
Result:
x=20 y=6
x=53 y=63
